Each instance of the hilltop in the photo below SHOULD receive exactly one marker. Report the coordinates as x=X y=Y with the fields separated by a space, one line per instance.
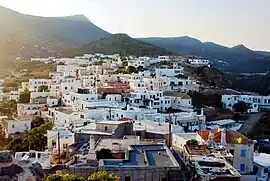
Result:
x=31 y=36
x=121 y=44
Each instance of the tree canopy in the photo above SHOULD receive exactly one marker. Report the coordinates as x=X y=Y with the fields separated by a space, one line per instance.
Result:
x=37 y=121
x=103 y=176
x=64 y=177
x=24 y=97
x=43 y=88
x=34 y=139
x=240 y=107
x=97 y=176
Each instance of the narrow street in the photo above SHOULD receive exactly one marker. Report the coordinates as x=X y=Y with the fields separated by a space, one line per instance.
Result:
x=250 y=122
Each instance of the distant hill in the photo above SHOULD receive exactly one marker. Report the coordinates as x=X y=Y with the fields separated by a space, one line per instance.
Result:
x=119 y=43
x=30 y=36
x=236 y=59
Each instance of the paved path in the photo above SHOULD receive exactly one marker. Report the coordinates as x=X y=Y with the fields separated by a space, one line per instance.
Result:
x=248 y=124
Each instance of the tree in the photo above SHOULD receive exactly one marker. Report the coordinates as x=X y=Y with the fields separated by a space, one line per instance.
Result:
x=104 y=154
x=43 y=88
x=37 y=121
x=34 y=139
x=8 y=107
x=132 y=69
x=103 y=176
x=64 y=177
x=140 y=68
x=192 y=142
x=24 y=97
x=240 y=107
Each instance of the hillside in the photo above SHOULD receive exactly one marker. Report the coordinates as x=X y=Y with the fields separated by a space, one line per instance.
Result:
x=30 y=36
x=236 y=59
x=119 y=43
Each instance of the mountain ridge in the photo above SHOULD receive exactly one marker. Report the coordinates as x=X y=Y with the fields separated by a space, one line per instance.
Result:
x=238 y=58
x=34 y=36
x=119 y=43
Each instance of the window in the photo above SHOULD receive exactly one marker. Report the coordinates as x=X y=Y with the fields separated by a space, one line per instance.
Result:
x=65 y=88
x=13 y=126
x=163 y=179
x=82 y=116
x=127 y=178
x=242 y=167
x=243 y=152
x=106 y=128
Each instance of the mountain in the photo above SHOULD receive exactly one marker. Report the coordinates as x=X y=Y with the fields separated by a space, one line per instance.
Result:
x=236 y=59
x=121 y=44
x=264 y=53
x=30 y=36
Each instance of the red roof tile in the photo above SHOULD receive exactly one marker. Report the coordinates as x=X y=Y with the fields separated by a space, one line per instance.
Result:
x=232 y=137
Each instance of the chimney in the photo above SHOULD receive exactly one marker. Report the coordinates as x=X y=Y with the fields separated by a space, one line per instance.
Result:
x=223 y=137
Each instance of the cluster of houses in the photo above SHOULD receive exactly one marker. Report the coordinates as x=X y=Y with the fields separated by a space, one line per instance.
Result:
x=144 y=118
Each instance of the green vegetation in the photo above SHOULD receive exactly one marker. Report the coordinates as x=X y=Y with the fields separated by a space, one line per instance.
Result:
x=43 y=88
x=8 y=108
x=240 y=107
x=16 y=72
x=121 y=44
x=64 y=177
x=34 y=139
x=192 y=142
x=199 y=100
x=104 y=154
x=97 y=176
x=103 y=176
x=262 y=127
x=37 y=121
x=24 y=97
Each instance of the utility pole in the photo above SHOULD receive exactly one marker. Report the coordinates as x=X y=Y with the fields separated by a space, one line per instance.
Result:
x=170 y=131
x=58 y=139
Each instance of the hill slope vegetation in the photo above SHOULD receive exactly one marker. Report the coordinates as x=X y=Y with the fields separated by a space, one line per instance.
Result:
x=29 y=36
x=121 y=44
x=235 y=59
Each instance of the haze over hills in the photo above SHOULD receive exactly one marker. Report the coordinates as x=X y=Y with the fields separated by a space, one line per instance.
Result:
x=237 y=59
x=121 y=44
x=26 y=35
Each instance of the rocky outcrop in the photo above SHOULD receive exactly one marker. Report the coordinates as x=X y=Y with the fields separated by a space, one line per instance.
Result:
x=11 y=170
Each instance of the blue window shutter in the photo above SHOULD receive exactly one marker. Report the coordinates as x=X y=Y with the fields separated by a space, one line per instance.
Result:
x=242 y=167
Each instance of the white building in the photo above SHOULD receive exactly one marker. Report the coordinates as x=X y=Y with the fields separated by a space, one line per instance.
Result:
x=254 y=102
x=262 y=165
x=169 y=72
x=163 y=58
x=15 y=126
x=64 y=137
x=34 y=84
x=199 y=62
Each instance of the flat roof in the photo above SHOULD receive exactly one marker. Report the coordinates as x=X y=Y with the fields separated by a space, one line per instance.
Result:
x=112 y=122
x=157 y=155
x=94 y=132
x=65 y=110
x=223 y=122
x=215 y=167
x=262 y=159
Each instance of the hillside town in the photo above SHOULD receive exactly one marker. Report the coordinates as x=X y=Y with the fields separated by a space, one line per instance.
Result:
x=132 y=116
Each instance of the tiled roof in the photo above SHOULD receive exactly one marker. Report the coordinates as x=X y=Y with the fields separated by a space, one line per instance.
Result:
x=232 y=137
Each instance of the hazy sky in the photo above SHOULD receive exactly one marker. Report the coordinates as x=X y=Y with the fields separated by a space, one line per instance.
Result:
x=227 y=22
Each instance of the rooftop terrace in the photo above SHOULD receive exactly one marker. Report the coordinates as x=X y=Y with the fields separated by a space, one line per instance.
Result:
x=157 y=155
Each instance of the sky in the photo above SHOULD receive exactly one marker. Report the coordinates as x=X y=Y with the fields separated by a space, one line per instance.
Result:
x=226 y=22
